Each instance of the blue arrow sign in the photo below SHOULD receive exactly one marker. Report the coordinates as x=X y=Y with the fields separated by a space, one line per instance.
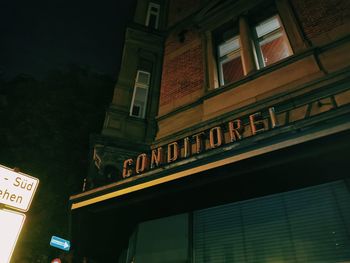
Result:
x=60 y=243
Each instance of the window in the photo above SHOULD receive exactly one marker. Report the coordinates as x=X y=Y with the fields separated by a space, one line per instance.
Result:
x=163 y=240
x=305 y=225
x=152 y=18
x=228 y=53
x=271 y=42
x=249 y=43
x=139 y=98
x=230 y=62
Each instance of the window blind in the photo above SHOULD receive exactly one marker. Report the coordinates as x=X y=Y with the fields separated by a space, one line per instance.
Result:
x=307 y=225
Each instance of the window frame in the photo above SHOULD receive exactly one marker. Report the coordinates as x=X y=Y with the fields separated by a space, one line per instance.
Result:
x=250 y=51
x=256 y=40
x=140 y=85
x=227 y=57
x=150 y=13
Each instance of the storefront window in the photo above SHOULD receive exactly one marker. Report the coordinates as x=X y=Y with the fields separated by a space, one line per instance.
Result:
x=162 y=240
x=308 y=225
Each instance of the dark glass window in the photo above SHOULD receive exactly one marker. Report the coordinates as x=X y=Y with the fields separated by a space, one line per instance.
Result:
x=152 y=22
x=152 y=18
x=306 y=225
x=162 y=240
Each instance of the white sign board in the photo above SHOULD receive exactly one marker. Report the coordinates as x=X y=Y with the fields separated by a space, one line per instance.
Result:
x=10 y=226
x=16 y=189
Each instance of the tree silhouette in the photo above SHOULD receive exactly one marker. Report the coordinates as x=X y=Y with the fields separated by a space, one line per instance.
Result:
x=45 y=132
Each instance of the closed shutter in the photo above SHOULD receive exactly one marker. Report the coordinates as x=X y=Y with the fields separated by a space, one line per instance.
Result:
x=307 y=225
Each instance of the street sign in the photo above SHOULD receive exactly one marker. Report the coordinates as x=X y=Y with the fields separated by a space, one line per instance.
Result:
x=60 y=243
x=10 y=226
x=16 y=189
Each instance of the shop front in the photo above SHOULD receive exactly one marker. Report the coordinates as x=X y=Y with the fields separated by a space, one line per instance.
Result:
x=270 y=186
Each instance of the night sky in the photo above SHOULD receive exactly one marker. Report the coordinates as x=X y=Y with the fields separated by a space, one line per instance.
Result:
x=50 y=103
x=38 y=35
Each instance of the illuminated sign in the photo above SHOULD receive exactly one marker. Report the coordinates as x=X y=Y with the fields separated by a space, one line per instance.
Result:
x=212 y=138
x=11 y=224
x=16 y=189
x=60 y=243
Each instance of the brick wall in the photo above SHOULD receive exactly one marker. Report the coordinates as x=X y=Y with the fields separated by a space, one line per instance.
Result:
x=183 y=71
x=179 y=9
x=321 y=16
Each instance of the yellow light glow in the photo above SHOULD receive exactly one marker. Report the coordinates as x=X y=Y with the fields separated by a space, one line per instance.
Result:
x=10 y=226
x=215 y=164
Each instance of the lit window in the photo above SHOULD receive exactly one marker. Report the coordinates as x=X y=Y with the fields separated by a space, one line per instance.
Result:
x=230 y=62
x=271 y=42
x=246 y=38
x=139 y=98
x=152 y=18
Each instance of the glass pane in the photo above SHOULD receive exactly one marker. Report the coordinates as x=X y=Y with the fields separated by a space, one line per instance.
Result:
x=140 y=94
x=267 y=26
x=274 y=48
x=306 y=225
x=154 y=9
x=152 y=21
x=229 y=46
x=143 y=77
x=163 y=240
x=317 y=224
x=267 y=234
x=139 y=104
x=232 y=70
x=218 y=244
x=136 y=111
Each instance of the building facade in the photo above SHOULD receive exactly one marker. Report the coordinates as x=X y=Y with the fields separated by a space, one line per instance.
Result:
x=227 y=139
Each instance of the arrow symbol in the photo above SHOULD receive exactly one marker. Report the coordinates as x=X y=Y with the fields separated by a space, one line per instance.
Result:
x=60 y=243
x=57 y=242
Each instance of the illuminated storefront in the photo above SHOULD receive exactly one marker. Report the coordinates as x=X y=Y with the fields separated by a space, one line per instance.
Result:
x=214 y=150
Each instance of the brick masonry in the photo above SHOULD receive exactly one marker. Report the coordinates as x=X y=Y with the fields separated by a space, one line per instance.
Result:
x=321 y=16
x=183 y=65
x=183 y=71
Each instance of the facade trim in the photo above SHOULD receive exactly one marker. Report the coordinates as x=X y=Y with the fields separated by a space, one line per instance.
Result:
x=338 y=86
x=232 y=159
